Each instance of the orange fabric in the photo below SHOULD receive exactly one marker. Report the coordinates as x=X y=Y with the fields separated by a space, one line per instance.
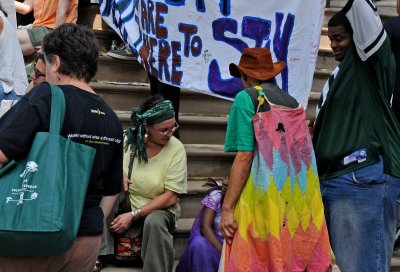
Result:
x=45 y=12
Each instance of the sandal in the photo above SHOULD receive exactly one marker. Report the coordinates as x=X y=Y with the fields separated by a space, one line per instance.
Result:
x=98 y=266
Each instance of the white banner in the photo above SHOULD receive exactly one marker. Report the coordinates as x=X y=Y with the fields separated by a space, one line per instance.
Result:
x=190 y=43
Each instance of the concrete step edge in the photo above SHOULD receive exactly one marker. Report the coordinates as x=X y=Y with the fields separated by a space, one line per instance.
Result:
x=183 y=226
x=322 y=72
x=105 y=58
x=120 y=87
x=217 y=120
x=195 y=185
x=382 y=6
x=207 y=150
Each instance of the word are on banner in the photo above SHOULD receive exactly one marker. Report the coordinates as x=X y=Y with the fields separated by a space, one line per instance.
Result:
x=190 y=43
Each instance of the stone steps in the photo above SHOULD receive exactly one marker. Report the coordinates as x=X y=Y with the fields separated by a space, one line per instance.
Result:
x=208 y=160
x=126 y=96
x=193 y=128
x=202 y=117
x=112 y=69
x=198 y=128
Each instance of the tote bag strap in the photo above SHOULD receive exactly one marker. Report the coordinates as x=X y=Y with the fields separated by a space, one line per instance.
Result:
x=57 y=109
x=258 y=98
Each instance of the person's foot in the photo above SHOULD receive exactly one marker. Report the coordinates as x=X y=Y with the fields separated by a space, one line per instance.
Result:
x=98 y=266
x=124 y=53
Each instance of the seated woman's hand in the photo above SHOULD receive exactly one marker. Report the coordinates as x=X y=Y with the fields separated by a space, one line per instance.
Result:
x=121 y=223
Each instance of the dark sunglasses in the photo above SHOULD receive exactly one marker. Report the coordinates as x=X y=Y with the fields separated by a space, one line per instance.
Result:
x=38 y=73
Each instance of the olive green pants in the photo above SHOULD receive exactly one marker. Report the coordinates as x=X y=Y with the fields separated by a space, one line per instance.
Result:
x=158 y=252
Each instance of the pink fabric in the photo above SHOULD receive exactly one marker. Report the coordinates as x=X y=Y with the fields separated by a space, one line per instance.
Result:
x=280 y=216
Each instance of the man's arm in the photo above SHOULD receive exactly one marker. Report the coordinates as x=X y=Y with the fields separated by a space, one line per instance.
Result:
x=3 y=159
x=368 y=33
x=61 y=15
x=239 y=174
x=25 y=7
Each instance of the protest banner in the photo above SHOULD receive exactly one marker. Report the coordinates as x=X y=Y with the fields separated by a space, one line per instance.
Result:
x=190 y=43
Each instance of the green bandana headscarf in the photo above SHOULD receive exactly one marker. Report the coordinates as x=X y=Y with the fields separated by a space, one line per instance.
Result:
x=158 y=113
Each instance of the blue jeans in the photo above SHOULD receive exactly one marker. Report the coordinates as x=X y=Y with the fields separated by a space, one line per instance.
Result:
x=362 y=212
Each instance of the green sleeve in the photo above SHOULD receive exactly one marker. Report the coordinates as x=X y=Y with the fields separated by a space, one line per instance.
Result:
x=240 y=133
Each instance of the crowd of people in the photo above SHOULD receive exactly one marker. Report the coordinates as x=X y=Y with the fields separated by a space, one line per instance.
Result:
x=295 y=202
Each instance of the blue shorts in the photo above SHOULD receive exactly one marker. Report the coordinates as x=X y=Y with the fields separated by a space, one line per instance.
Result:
x=7 y=96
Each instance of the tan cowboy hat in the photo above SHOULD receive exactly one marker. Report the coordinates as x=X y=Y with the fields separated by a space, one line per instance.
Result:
x=257 y=63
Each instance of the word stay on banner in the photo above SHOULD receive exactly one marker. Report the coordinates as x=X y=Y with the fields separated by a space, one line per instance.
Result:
x=190 y=43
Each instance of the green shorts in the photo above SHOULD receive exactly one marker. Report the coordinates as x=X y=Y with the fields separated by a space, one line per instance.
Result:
x=37 y=34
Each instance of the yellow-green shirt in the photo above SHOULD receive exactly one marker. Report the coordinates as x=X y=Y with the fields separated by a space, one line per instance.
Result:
x=166 y=170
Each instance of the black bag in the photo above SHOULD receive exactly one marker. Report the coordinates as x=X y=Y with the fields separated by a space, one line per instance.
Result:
x=128 y=245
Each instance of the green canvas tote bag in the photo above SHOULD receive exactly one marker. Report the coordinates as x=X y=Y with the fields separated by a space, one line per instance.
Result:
x=42 y=196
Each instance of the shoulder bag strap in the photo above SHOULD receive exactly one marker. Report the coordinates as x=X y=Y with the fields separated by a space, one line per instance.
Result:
x=258 y=99
x=57 y=113
x=131 y=159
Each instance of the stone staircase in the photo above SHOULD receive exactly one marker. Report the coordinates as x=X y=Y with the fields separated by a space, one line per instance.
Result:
x=202 y=118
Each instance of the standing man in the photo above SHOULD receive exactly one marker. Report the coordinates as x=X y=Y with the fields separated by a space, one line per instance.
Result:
x=356 y=138
x=263 y=208
x=71 y=55
x=48 y=15
x=392 y=27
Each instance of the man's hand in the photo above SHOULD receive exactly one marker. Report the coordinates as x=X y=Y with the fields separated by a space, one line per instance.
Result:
x=121 y=223
x=228 y=225
x=237 y=179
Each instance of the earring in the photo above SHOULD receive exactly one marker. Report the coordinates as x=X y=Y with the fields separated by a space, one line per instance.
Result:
x=146 y=137
x=58 y=76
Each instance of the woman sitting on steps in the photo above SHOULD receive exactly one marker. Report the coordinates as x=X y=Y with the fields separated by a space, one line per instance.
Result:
x=159 y=175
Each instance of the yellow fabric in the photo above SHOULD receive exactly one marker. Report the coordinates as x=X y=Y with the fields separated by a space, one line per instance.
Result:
x=167 y=170
x=45 y=12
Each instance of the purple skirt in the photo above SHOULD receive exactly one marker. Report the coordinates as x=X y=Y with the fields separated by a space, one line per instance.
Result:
x=200 y=255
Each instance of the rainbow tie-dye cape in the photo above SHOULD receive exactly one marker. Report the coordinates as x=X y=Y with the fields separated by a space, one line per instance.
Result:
x=280 y=215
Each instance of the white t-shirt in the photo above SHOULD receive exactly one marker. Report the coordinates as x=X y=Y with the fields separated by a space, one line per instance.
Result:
x=12 y=67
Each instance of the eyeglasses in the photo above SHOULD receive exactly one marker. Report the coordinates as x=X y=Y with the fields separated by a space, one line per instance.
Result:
x=38 y=73
x=167 y=130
